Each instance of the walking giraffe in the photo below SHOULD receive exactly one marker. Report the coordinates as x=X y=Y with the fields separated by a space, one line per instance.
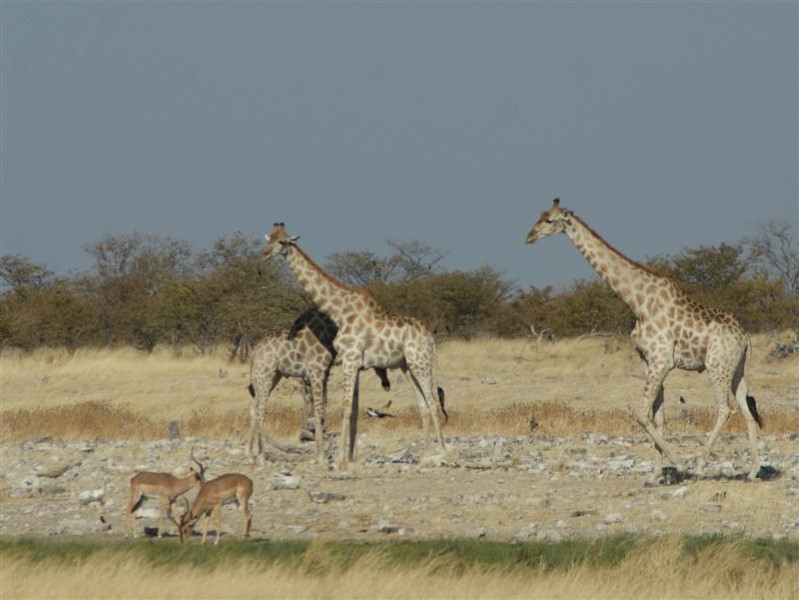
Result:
x=305 y=351
x=367 y=338
x=672 y=331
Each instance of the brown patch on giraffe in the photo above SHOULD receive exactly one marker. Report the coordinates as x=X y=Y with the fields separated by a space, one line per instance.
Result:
x=368 y=337
x=382 y=345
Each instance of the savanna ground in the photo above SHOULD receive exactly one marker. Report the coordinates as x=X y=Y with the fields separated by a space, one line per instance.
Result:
x=545 y=463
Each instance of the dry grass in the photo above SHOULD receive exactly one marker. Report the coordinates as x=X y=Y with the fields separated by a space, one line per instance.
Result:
x=496 y=386
x=719 y=571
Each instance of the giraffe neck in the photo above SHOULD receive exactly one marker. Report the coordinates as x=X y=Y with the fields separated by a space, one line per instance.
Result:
x=331 y=296
x=630 y=280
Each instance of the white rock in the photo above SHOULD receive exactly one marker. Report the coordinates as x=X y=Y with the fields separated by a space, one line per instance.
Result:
x=680 y=493
x=550 y=535
x=613 y=518
x=478 y=533
x=148 y=512
x=295 y=529
x=282 y=481
x=526 y=533
x=89 y=496
x=386 y=526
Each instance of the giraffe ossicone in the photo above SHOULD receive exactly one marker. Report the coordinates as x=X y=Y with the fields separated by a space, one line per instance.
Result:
x=671 y=331
x=367 y=338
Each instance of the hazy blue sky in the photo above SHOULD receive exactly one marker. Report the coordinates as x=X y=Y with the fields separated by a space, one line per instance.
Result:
x=662 y=124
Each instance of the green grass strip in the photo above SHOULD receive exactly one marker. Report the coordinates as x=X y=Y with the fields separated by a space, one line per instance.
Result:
x=460 y=554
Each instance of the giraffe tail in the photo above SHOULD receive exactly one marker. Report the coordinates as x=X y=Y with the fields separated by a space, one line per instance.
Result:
x=441 y=404
x=439 y=389
x=752 y=406
x=751 y=403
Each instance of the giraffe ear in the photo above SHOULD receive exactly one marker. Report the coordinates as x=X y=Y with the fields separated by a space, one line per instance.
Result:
x=293 y=238
x=267 y=238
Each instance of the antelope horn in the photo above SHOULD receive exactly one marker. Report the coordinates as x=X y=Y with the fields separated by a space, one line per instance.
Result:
x=171 y=512
x=185 y=507
x=199 y=465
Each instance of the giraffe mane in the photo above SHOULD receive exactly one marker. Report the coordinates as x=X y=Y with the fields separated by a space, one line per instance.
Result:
x=363 y=293
x=613 y=249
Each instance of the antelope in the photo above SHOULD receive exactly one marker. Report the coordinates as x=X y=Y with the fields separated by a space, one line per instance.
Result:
x=165 y=486
x=232 y=487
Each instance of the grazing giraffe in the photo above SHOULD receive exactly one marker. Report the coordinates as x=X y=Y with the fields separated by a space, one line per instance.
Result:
x=367 y=338
x=672 y=331
x=305 y=351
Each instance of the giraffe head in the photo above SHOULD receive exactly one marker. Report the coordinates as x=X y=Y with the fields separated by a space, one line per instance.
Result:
x=278 y=242
x=552 y=221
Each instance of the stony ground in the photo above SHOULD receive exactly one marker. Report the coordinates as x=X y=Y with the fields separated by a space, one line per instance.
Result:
x=503 y=489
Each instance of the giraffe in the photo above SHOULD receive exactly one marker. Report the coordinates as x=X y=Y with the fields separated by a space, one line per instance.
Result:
x=367 y=338
x=305 y=351
x=671 y=331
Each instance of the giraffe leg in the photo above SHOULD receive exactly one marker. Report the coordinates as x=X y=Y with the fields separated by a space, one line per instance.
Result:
x=254 y=447
x=659 y=417
x=356 y=396
x=721 y=388
x=422 y=379
x=741 y=390
x=318 y=405
x=434 y=406
x=645 y=415
x=258 y=414
x=350 y=388
x=721 y=376
x=424 y=412
x=308 y=393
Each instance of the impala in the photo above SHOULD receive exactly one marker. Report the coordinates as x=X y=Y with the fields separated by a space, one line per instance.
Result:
x=165 y=486
x=232 y=487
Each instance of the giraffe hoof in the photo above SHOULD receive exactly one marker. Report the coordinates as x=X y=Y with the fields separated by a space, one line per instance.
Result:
x=671 y=476
x=764 y=473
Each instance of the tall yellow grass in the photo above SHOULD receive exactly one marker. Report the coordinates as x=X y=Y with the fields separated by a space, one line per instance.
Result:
x=658 y=570
x=492 y=385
